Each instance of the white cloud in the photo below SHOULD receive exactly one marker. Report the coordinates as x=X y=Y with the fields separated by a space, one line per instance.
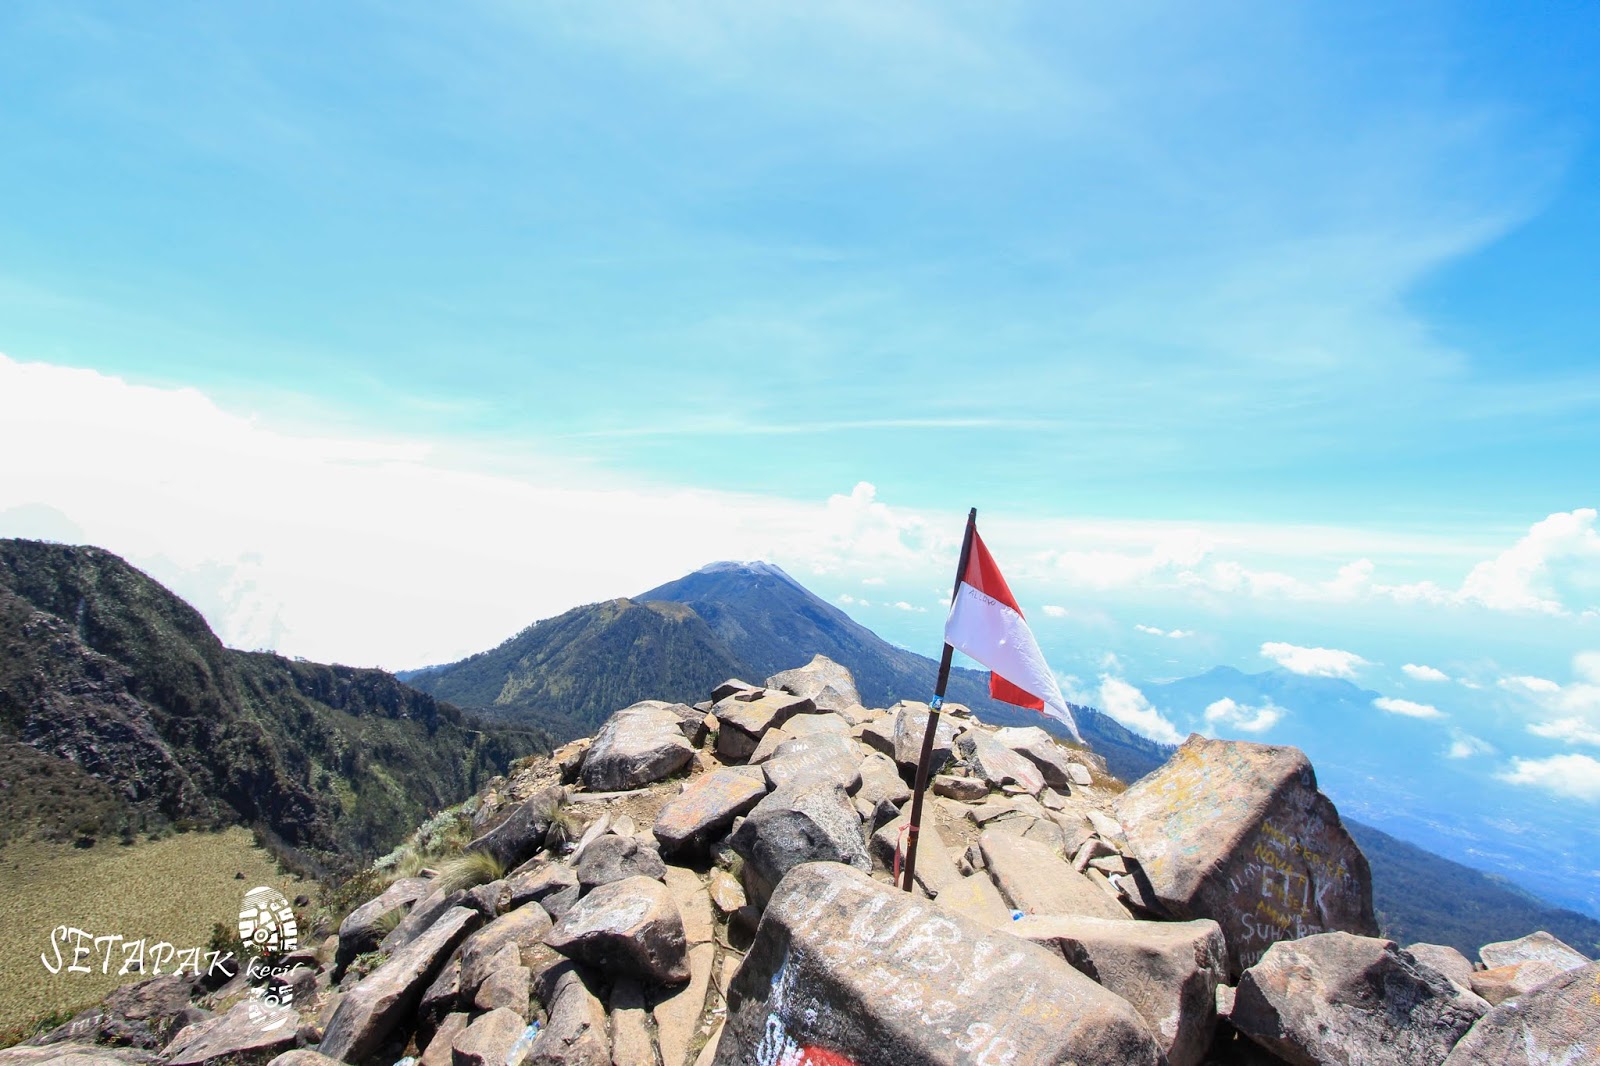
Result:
x=1246 y=719
x=902 y=605
x=1053 y=611
x=1128 y=705
x=1572 y=730
x=1573 y=776
x=386 y=551
x=1407 y=708
x=1572 y=710
x=1465 y=746
x=1172 y=634
x=1538 y=686
x=1424 y=673
x=1313 y=662
x=852 y=601
x=872 y=581
x=1563 y=549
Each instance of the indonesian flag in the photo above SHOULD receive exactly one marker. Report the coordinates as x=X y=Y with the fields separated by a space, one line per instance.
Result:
x=986 y=624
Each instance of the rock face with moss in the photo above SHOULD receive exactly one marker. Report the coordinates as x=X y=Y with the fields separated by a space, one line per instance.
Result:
x=717 y=911
x=111 y=683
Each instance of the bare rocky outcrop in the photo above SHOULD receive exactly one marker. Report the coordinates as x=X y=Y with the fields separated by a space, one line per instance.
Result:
x=1337 y=997
x=1168 y=972
x=860 y=972
x=754 y=883
x=1238 y=833
x=1557 y=1024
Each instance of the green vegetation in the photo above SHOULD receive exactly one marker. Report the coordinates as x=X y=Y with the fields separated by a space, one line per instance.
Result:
x=122 y=716
x=177 y=889
x=569 y=673
x=468 y=870
x=1420 y=896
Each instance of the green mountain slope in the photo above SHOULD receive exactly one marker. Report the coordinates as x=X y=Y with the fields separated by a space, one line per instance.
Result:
x=120 y=711
x=748 y=620
x=568 y=673
x=1420 y=896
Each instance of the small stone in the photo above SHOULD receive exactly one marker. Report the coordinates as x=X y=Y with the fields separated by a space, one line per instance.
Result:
x=726 y=892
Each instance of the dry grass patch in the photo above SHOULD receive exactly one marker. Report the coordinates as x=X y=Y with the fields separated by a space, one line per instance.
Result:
x=174 y=889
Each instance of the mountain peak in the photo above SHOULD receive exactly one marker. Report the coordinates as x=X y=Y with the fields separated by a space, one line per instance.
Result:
x=758 y=567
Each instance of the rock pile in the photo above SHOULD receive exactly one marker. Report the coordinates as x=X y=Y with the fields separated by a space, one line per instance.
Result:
x=715 y=885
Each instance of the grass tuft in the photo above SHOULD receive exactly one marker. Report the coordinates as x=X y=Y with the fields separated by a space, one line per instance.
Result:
x=469 y=870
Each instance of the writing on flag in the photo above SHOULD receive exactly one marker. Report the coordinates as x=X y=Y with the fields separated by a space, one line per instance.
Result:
x=986 y=624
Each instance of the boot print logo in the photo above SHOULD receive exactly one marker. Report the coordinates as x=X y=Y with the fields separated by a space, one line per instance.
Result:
x=266 y=922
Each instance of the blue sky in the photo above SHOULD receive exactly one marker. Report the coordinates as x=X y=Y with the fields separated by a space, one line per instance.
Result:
x=380 y=330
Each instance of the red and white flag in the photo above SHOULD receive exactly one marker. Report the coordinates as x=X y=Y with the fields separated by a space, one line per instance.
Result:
x=986 y=624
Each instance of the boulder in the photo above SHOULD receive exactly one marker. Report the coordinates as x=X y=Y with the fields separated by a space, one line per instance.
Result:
x=965 y=789
x=488 y=1040
x=704 y=810
x=1079 y=775
x=1039 y=748
x=631 y=927
x=1501 y=983
x=553 y=886
x=993 y=762
x=877 y=734
x=522 y=833
x=819 y=759
x=768 y=744
x=252 y=1027
x=305 y=1057
x=373 y=1008
x=631 y=1042
x=77 y=1053
x=423 y=914
x=364 y=928
x=880 y=780
x=811 y=822
x=438 y=1051
x=1168 y=971
x=635 y=746
x=1035 y=880
x=613 y=858
x=975 y=898
x=1447 y=960
x=823 y=681
x=742 y=722
x=694 y=904
x=936 y=866
x=732 y=687
x=439 y=1000
x=910 y=724
x=1535 y=947
x=820 y=723
x=1557 y=1024
x=845 y=969
x=677 y=1013
x=1337 y=997
x=576 y=1032
x=519 y=929
x=1238 y=833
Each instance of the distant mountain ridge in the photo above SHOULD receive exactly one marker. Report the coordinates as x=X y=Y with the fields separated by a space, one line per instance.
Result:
x=748 y=620
x=121 y=712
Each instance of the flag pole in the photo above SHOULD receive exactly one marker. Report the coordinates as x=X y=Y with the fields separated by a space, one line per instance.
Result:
x=915 y=824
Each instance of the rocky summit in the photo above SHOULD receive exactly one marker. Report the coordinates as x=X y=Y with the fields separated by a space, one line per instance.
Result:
x=715 y=884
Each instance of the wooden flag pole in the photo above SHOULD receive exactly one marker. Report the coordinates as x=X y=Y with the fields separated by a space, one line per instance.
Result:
x=915 y=824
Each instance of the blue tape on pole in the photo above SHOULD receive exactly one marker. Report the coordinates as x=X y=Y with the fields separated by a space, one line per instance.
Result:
x=936 y=702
